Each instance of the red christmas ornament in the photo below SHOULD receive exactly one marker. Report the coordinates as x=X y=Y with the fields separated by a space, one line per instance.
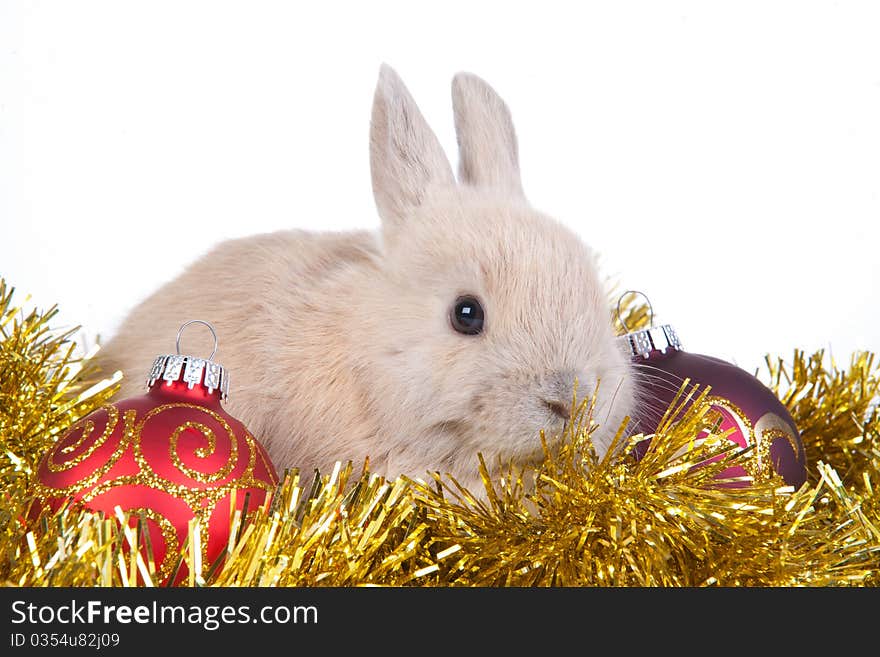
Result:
x=170 y=455
x=746 y=406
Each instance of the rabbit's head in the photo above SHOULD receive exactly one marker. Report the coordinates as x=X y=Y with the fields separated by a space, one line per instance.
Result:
x=484 y=312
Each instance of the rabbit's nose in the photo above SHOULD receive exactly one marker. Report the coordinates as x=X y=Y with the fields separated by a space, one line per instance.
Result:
x=557 y=392
x=559 y=409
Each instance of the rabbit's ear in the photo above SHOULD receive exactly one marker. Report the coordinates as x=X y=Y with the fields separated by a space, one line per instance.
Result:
x=406 y=160
x=488 y=153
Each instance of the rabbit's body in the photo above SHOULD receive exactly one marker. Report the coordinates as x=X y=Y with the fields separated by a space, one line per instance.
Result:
x=343 y=346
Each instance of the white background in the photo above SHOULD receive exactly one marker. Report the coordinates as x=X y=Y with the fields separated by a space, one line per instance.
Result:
x=722 y=157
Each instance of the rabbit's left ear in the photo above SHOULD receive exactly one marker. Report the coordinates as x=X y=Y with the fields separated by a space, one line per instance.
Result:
x=488 y=153
x=406 y=160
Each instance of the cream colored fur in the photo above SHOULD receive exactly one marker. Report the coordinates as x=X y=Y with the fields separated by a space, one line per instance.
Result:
x=340 y=345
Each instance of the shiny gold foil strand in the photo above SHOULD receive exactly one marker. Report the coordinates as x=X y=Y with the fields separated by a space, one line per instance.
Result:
x=45 y=387
x=598 y=518
x=137 y=561
x=573 y=570
x=835 y=409
x=346 y=535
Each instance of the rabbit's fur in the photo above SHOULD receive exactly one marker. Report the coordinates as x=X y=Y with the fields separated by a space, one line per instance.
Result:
x=340 y=345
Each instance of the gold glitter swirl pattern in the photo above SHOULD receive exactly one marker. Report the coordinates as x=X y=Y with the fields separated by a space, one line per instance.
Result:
x=266 y=465
x=169 y=537
x=203 y=452
x=758 y=465
x=199 y=477
x=247 y=477
x=127 y=435
x=765 y=442
x=87 y=427
x=110 y=484
x=739 y=417
x=770 y=436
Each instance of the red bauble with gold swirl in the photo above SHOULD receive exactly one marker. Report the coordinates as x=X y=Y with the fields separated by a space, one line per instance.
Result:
x=170 y=456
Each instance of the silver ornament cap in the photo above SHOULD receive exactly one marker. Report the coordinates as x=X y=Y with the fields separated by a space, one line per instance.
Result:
x=191 y=370
x=650 y=341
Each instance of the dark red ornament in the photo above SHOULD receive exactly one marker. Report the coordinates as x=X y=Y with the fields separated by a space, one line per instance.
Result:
x=171 y=455
x=747 y=407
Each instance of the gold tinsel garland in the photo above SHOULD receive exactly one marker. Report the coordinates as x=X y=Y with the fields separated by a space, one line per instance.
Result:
x=575 y=520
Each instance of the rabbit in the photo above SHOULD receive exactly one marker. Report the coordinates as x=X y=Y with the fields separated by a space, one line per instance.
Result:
x=459 y=327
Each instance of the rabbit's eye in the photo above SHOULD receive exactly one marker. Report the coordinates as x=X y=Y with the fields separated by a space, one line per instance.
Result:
x=467 y=316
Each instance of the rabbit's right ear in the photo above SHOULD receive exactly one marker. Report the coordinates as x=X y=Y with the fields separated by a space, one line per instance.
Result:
x=406 y=159
x=488 y=152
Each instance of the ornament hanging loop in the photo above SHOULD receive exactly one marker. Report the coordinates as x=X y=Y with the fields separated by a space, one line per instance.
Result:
x=647 y=300
x=198 y=321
